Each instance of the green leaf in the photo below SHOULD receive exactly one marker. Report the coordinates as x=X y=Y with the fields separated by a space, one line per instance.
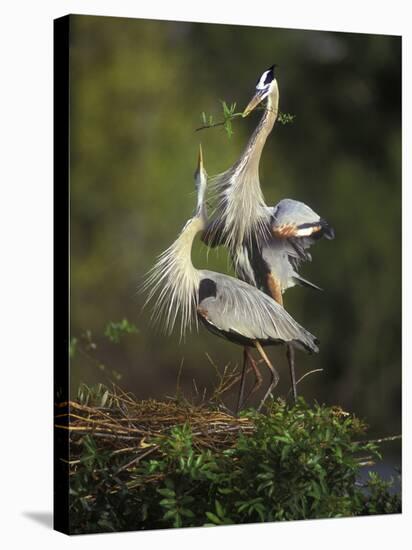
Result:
x=213 y=518
x=167 y=502
x=283 y=438
x=114 y=330
x=169 y=483
x=285 y=451
x=190 y=459
x=285 y=118
x=166 y=492
x=226 y=110
x=187 y=513
x=169 y=514
x=228 y=128
x=219 y=510
x=104 y=398
x=225 y=490
x=178 y=521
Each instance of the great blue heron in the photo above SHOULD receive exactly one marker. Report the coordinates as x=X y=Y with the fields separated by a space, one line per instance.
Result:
x=266 y=244
x=226 y=306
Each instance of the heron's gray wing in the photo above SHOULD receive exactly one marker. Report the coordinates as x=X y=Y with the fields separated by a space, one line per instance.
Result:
x=282 y=258
x=232 y=306
x=295 y=219
x=298 y=227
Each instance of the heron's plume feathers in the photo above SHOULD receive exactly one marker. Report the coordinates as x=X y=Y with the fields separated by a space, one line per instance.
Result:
x=173 y=281
x=239 y=206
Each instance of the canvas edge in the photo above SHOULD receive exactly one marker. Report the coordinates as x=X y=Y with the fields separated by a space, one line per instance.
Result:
x=61 y=174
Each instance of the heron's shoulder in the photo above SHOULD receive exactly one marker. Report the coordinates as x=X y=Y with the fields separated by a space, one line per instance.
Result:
x=287 y=207
x=227 y=285
x=221 y=279
x=270 y=210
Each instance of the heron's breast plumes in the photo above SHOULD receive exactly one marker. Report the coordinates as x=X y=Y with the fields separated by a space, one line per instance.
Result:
x=240 y=209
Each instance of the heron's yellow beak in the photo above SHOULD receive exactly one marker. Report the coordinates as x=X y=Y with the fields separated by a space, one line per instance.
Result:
x=200 y=159
x=200 y=170
x=253 y=103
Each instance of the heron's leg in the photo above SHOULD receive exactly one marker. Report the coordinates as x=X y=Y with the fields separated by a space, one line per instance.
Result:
x=274 y=374
x=242 y=381
x=290 y=354
x=256 y=372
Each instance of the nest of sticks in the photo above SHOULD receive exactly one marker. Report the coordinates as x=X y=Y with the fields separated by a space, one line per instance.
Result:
x=124 y=425
x=121 y=424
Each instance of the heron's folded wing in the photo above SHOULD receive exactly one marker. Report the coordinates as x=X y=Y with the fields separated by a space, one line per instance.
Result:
x=294 y=219
x=243 y=309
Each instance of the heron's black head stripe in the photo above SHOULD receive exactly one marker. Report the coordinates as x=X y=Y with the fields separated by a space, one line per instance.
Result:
x=270 y=74
x=266 y=78
x=207 y=289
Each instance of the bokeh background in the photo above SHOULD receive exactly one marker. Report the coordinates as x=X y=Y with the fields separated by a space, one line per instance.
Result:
x=137 y=91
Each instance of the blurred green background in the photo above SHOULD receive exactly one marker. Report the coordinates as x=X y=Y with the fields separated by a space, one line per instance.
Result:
x=138 y=88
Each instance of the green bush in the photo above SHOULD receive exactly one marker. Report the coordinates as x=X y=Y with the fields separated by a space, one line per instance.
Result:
x=299 y=463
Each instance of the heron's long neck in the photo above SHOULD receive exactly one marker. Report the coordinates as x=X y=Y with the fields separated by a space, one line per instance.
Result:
x=253 y=151
x=175 y=281
x=184 y=278
x=182 y=248
x=244 y=208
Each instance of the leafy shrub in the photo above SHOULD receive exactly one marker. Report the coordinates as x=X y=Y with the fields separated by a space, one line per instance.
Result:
x=300 y=462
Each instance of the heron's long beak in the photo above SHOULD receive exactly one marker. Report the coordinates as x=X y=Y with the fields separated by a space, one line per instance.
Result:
x=254 y=102
x=201 y=183
x=200 y=159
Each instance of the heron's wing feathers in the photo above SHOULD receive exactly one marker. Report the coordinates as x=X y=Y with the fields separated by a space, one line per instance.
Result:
x=295 y=228
x=294 y=219
x=283 y=258
x=233 y=306
x=299 y=280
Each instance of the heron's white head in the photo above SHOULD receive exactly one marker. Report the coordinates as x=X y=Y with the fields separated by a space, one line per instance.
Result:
x=265 y=86
x=200 y=184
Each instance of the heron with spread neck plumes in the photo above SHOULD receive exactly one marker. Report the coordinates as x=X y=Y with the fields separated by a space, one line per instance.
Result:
x=226 y=306
x=266 y=244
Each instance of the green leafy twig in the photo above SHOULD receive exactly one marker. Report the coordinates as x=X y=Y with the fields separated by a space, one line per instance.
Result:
x=114 y=330
x=285 y=118
x=87 y=345
x=229 y=114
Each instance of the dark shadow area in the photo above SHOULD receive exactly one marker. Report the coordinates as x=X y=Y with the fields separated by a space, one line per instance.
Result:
x=43 y=518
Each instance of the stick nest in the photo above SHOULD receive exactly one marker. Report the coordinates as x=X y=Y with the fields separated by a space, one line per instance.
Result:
x=122 y=424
